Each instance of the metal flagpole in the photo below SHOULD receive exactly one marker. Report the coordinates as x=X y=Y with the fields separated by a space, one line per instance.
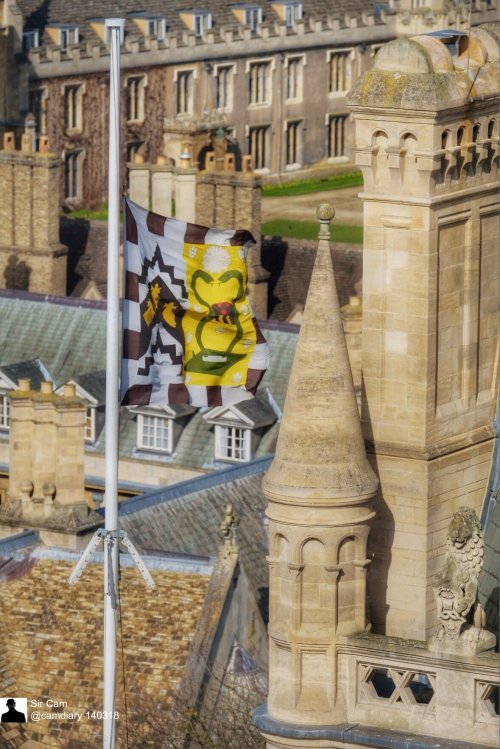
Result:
x=115 y=28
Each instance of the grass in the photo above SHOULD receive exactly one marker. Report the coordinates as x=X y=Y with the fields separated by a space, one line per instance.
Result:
x=317 y=184
x=310 y=230
x=99 y=215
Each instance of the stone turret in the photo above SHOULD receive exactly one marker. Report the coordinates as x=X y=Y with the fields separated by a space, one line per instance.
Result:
x=319 y=486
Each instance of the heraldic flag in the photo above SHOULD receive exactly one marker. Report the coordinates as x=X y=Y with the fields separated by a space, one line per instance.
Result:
x=189 y=335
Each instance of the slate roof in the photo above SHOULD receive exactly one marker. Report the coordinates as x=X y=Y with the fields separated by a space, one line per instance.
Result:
x=69 y=336
x=39 y=14
x=55 y=647
x=33 y=369
x=186 y=517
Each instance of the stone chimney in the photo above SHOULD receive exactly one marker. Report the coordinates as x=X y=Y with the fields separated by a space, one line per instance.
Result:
x=46 y=465
x=31 y=256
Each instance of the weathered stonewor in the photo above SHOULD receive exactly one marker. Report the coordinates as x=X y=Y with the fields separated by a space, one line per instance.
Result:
x=46 y=465
x=31 y=256
x=427 y=140
x=319 y=487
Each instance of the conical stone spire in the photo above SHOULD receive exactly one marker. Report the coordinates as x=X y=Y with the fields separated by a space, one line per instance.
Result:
x=320 y=453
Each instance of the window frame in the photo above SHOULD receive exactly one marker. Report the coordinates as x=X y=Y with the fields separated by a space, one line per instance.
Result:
x=187 y=74
x=345 y=79
x=69 y=31
x=31 y=39
x=136 y=92
x=166 y=423
x=4 y=411
x=74 y=157
x=337 y=138
x=231 y=439
x=228 y=98
x=260 y=87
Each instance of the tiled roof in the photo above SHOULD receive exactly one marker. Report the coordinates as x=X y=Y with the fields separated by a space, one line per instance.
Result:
x=186 y=516
x=39 y=14
x=54 y=648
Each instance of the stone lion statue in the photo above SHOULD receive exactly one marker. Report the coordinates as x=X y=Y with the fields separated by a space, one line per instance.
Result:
x=459 y=613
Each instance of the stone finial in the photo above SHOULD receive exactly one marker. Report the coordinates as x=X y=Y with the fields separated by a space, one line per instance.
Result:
x=229 y=526
x=44 y=144
x=69 y=390
x=139 y=158
x=9 y=141
x=161 y=160
x=46 y=387
x=27 y=143
x=26 y=488
x=325 y=214
x=24 y=384
x=320 y=453
x=49 y=492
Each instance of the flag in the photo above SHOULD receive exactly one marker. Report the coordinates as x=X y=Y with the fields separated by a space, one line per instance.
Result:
x=189 y=335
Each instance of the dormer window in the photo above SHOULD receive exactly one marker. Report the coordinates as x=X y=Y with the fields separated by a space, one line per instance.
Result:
x=68 y=35
x=157 y=28
x=293 y=12
x=239 y=428
x=202 y=21
x=90 y=425
x=232 y=443
x=289 y=12
x=253 y=17
x=31 y=40
x=154 y=433
x=159 y=428
x=4 y=411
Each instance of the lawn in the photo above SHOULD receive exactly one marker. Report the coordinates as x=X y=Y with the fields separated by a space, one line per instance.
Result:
x=310 y=230
x=306 y=186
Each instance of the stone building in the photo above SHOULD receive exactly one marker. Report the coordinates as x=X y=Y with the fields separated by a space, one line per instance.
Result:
x=382 y=625
x=273 y=75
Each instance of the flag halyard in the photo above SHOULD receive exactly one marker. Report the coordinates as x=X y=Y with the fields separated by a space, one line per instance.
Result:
x=189 y=335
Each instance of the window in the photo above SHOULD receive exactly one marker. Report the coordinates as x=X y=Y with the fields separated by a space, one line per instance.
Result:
x=253 y=16
x=259 y=89
x=294 y=78
x=258 y=137
x=340 y=72
x=68 y=35
x=38 y=107
x=293 y=155
x=72 y=174
x=337 y=136
x=31 y=40
x=202 y=22
x=185 y=92
x=293 y=12
x=90 y=425
x=4 y=411
x=73 y=107
x=135 y=97
x=154 y=433
x=224 y=87
x=156 y=27
x=232 y=443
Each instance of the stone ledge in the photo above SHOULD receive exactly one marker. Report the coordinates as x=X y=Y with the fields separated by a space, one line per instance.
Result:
x=355 y=733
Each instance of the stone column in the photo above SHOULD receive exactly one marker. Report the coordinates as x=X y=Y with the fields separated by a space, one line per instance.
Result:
x=139 y=177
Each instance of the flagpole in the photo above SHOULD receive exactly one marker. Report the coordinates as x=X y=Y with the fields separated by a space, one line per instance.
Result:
x=115 y=28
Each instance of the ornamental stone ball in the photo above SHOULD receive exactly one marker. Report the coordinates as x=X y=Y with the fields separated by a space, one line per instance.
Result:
x=325 y=212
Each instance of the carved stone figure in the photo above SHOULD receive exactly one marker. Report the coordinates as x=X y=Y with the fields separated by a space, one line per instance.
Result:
x=462 y=620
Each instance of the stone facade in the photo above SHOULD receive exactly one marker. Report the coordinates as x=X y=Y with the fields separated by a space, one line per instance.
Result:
x=426 y=139
x=277 y=85
x=430 y=308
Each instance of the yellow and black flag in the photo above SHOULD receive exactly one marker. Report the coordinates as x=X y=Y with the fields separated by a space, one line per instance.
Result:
x=189 y=335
